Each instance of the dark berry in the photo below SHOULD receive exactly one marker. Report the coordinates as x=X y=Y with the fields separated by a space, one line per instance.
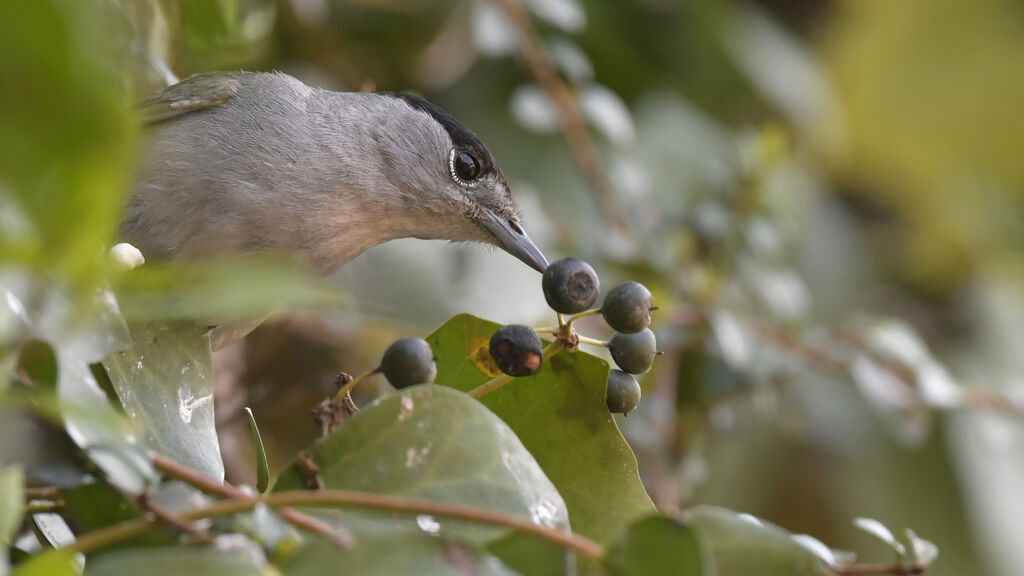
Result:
x=517 y=350
x=623 y=392
x=408 y=362
x=627 y=307
x=570 y=286
x=633 y=353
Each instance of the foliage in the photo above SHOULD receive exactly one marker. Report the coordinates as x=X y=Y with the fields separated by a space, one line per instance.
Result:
x=698 y=138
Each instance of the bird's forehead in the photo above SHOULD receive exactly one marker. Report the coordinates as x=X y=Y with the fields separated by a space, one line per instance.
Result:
x=462 y=137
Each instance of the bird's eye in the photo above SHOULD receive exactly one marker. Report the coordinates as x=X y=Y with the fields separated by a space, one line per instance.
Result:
x=465 y=167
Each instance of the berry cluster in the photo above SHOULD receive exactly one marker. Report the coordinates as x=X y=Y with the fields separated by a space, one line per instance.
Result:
x=571 y=287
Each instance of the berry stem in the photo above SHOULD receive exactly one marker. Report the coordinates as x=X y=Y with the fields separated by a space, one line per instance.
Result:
x=502 y=379
x=584 y=314
x=548 y=330
x=339 y=397
x=593 y=341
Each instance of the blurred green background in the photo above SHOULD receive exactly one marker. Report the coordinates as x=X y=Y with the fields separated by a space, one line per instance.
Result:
x=795 y=171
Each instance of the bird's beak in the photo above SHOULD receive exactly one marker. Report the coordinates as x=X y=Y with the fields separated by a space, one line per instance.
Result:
x=514 y=240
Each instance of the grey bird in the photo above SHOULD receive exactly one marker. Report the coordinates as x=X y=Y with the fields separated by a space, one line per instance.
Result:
x=243 y=162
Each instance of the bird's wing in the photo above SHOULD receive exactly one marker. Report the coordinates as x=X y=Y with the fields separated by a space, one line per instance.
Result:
x=196 y=92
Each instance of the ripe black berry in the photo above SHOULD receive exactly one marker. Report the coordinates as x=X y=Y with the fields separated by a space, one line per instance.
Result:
x=516 y=350
x=408 y=362
x=627 y=307
x=633 y=353
x=623 y=392
x=570 y=286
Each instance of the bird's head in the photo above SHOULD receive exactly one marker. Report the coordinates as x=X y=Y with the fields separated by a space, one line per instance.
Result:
x=448 y=183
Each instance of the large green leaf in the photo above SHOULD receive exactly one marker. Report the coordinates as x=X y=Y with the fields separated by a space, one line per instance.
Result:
x=656 y=546
x=418 y=554
x=172 y=562
x=82 y=331
x=66 y=138
x=433 y=443
x=744 y=546
x=165 y=382
x=560 y=415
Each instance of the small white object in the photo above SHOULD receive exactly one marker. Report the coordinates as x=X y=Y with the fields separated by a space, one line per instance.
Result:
x=816 y=547
x=565 y=14
x=127 y=256
x=878 y=530
x=608 y=113
x=925 y=552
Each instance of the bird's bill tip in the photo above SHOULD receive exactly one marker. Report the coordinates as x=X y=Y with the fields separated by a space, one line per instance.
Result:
x=514 y=240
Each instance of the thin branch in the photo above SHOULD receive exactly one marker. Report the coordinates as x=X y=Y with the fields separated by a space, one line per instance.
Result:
x=42 y=493
x=290 y=515
x=827 y=358
x=583 y=150
x=99 y=539
x=896 y=569
x=173 y=519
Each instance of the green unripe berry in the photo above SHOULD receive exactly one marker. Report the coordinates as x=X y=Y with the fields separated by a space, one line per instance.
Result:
x=633 y=353
x=517 y=350
x=627 y=307
x=408 y=362
x=570 y=286
x=623 y=392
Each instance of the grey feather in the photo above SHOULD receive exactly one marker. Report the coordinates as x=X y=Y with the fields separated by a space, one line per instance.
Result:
x=246 y=162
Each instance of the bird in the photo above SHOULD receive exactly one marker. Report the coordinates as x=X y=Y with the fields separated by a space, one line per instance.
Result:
x=244 y=162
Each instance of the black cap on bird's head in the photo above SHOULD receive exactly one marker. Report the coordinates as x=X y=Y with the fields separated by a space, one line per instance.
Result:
x=471 y=178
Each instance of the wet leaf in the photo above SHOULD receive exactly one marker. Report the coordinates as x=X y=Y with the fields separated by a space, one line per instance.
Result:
x=83 y=331
x=437 y=444
x=561 y=417
x=165 y=383
x=742 y=544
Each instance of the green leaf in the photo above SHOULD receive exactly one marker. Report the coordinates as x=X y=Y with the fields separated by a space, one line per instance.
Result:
x=66 y=138
x=527 y=554
x=12 y=499
x=433 y=443
x=418 y=554
x=561 y=417
x=52 y=563
x=173 y=562
x=655 y=546
x=262 y=468
x=220 y=291
x=94 y=506
x=54 y=532
x=165 y=383
x=743 y=545
x=82 y=331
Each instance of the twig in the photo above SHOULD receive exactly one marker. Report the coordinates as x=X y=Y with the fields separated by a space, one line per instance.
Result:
x=42 y=493
x=165 y=515
x=99 y=539
x=502 y=379
x=583 y=150
x=896 y=569
x=292 y=516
